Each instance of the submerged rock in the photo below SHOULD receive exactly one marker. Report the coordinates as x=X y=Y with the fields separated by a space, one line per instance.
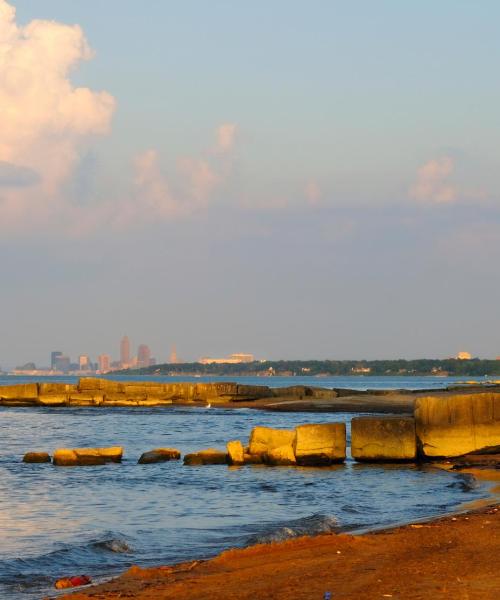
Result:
x=36 y=457
x=206 y=457
x=235 y=452
x=383 y=439
x=320 y=444
x=159 y=455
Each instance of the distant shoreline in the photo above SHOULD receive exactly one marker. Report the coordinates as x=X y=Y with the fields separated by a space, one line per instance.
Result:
x=331 y=368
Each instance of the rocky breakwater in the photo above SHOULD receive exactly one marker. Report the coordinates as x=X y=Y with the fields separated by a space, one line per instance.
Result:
x=90 y=391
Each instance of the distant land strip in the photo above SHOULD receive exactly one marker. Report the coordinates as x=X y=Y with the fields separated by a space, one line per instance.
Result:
x=326 y=368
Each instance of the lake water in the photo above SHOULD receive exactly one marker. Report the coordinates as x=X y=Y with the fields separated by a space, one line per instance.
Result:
x=99 y=520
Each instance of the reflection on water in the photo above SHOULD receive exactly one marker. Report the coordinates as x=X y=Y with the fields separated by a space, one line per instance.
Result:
x=60 y=521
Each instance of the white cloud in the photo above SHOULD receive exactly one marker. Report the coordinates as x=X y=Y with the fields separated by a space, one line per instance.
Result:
x=45 y=121
x=432 y=182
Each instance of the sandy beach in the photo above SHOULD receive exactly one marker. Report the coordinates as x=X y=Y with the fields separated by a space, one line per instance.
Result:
x=451 y=557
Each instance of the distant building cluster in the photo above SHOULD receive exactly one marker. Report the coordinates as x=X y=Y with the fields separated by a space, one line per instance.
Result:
x=231 y=359
x=61 y=363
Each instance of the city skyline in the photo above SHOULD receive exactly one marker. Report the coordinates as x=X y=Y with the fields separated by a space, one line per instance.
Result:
x=107 y=362
x=315 y=194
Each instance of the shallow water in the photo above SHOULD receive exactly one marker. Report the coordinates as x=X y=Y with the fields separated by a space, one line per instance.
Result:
x=99 y=520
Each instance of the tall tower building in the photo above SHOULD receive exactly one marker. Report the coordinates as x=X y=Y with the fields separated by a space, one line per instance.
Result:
x=143 y=356
x=173 y=356
x=125 y=351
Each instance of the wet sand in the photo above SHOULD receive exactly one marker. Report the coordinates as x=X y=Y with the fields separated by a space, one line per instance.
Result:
x=451 y=557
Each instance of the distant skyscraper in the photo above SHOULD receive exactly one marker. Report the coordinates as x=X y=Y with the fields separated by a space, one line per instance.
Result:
x=84 y=362
x=143 y=356
x=104 y=362
x=62 y=363
x=53 y=359
x=173 y=356
x=125 y=351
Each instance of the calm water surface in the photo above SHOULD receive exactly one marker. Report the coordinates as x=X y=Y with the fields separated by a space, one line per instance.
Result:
x=99 y=520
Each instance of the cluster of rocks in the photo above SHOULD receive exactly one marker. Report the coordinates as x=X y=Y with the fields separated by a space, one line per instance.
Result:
x=90 y=391
x=73 y=457
x=440 y=428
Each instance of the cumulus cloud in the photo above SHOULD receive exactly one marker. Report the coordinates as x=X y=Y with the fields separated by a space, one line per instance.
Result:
x=432 y=182
x=47 y=125
x=45 y=121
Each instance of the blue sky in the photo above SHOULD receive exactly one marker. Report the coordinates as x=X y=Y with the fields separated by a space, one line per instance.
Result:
x=297 y=180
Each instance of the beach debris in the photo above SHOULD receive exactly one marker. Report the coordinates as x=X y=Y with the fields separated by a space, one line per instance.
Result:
x=159 y=455
x=66 y=457
x=70 y=582
x=211 y=456
x=36 y=457
x=235 y=452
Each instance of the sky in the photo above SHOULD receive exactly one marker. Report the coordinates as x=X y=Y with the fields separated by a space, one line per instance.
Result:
x=291 y=179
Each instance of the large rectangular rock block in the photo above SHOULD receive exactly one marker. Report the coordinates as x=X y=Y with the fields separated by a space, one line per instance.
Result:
x=456 y=425
x=383 y=439
x=264 y=439
x=320 y=444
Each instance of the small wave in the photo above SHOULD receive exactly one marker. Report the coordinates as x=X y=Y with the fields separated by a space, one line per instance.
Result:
x=117 y=545
x=96 y=553
x=314 y=525
x=464 y=482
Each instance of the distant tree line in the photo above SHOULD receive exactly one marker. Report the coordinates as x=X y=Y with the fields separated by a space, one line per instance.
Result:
x=424 y=366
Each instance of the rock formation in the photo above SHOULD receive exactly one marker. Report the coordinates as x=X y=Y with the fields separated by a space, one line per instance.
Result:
x=321 y=444
x=159 y=455
x=66 y=457
x=36 y=457
x=456 y=425
x=210 y=456
x=265 y=439
x=235 y=452
x=383 y=439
